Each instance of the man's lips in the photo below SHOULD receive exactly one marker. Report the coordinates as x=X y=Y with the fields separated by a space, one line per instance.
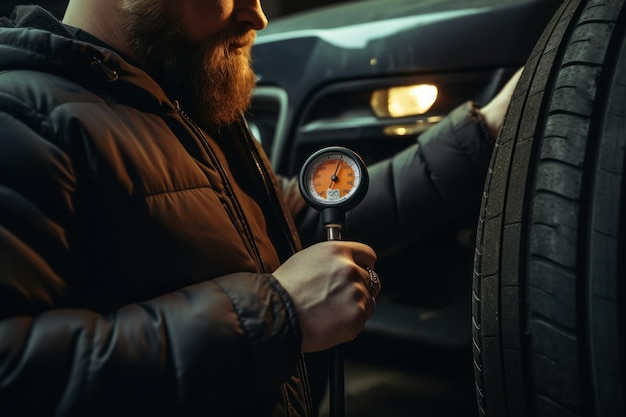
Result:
x=239 y=42
x=245 y=40
x=240 y=45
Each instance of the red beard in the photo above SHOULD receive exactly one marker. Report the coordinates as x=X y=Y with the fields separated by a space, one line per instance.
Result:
x=215 y=77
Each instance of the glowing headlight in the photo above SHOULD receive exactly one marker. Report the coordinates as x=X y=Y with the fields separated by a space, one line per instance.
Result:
x=403 y=101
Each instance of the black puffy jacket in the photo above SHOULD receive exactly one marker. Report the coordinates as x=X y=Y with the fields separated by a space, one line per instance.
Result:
x=135 y=260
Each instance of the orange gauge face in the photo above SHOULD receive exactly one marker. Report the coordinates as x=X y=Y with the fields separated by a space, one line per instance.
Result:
x=332 y=178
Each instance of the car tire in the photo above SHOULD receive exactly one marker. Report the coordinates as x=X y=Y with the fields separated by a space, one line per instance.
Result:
x=548 y=313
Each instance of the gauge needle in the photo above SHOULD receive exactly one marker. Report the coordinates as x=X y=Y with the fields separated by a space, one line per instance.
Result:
x=334 y=177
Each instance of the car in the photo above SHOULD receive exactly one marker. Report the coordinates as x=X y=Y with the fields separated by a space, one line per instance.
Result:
x=524 y=291
x=319 y=73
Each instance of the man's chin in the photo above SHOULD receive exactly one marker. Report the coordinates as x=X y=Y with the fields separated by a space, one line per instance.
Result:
x=224 y=81
x=223 y=110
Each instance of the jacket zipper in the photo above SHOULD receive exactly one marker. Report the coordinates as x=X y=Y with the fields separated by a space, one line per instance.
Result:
x=287 y=231
x=273 y=197
x=306 y=384
x=227 y=185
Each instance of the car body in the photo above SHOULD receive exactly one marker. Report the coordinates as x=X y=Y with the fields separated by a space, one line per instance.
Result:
x=317 y=73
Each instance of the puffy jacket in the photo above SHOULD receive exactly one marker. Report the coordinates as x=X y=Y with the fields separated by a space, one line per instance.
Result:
x=136 y=258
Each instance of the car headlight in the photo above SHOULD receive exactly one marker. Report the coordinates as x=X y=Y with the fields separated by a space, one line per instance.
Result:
x=403 y=101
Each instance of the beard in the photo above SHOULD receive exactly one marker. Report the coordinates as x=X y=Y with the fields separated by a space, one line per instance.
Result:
x=215 y=77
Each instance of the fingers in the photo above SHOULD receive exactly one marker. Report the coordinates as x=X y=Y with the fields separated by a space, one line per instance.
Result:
x=366 y=279
x=363 y=255
x=333 y=288
x=494 y=111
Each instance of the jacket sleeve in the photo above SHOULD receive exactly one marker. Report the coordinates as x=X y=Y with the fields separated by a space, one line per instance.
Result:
x=412 y=193
x=200 y=348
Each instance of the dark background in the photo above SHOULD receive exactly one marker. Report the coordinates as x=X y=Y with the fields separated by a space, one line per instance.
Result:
x=57 y=7
x=272 y=8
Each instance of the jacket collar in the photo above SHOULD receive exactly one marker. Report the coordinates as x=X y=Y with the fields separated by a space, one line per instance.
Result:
x=36 y=40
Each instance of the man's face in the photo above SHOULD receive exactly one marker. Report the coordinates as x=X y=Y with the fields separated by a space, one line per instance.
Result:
x=200 y=47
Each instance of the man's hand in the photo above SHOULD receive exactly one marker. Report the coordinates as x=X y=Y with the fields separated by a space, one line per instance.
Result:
x=329 y=285
x=494 y=111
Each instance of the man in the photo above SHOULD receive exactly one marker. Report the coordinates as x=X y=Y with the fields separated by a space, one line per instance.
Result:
x=149 y=258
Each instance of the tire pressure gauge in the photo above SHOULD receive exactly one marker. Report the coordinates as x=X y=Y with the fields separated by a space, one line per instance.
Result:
x=334 y=180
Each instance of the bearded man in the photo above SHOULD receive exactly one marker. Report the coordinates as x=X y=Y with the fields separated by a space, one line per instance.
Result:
x=150 y=263
x=204 y=53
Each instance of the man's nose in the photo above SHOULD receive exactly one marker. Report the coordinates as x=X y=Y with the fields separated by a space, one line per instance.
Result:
x=250 y=13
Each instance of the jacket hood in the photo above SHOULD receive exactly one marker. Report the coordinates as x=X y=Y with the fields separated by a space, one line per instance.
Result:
x=33 y=39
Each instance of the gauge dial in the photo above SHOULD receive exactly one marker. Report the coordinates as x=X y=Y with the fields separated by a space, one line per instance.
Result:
x=334 y=177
